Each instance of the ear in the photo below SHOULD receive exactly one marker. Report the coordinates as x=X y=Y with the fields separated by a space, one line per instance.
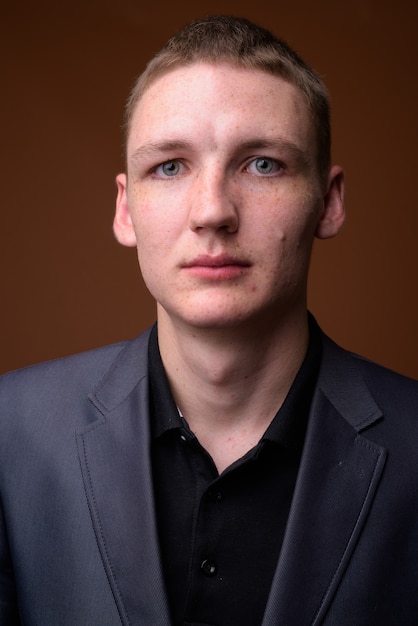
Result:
x=122 y=224
x=333 y=213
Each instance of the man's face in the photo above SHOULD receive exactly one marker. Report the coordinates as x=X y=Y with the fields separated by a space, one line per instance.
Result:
x=222 y=196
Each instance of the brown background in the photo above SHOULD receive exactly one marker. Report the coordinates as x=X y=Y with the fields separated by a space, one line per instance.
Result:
x=67 y=68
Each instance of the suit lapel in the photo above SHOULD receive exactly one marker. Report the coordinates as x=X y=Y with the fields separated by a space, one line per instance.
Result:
x=115 y=461
x=337 y=481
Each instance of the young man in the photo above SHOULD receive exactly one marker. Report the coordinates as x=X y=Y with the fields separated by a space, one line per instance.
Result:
x=231 y=465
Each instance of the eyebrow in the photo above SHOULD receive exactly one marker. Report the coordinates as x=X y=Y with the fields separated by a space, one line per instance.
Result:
x=257 y=143
x=277 y=143
x=160 y=147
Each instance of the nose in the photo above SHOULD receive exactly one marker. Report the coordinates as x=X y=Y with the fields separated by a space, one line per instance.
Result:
x=212 y=203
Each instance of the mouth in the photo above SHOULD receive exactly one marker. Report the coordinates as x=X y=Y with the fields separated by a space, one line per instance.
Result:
x=222 y=266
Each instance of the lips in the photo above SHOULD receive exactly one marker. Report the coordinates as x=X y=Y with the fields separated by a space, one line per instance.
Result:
x=217 y=267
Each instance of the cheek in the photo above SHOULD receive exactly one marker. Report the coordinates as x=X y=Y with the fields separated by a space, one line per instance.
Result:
x=159 y=202
x=155 y=236
x=303 y=220
x=151 y=266
x=287 y=235
x=153 y=223
x=288 y=228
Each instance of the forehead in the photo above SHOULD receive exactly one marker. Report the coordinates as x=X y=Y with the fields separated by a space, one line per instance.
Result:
x=221 y=99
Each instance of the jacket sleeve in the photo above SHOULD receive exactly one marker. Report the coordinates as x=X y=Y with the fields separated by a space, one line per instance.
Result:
x=9 y=613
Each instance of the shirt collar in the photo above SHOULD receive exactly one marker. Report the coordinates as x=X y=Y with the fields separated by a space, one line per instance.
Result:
x=164 y=413
x=287 y=428
x=289 y=424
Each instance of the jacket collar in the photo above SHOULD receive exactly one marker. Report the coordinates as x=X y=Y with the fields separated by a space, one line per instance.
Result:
x=341 y=381
x=338 y=478
x=114 y=454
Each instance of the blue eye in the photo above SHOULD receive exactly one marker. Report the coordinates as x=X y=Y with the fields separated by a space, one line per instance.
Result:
x=169 y=168
x=263 y=166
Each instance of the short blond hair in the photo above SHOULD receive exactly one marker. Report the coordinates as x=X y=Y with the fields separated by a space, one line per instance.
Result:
x=240 y=43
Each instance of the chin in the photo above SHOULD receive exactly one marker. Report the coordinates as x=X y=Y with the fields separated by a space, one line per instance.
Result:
x=218 y=319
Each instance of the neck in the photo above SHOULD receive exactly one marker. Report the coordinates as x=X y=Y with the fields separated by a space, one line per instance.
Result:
x=230 y=383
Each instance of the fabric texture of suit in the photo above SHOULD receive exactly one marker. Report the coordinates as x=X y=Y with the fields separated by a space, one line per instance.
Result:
x=78 y=538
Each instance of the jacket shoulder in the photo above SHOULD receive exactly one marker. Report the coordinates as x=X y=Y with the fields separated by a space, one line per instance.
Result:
x=82 y=365
x=339 y=361
x=387 y=386
x=71 y=376
x=365 y=392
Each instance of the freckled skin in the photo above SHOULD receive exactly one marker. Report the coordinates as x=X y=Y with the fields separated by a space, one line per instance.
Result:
x=217 y=119
x=222 y=199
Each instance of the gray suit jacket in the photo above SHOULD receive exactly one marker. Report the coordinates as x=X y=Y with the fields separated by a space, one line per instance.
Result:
x=78 y=539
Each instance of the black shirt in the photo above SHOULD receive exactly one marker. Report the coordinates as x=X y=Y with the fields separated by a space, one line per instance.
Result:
x=220 y=535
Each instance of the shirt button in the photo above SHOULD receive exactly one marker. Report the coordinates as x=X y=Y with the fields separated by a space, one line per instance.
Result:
x=184 y=435
x=215 y=496
x=209 y=568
